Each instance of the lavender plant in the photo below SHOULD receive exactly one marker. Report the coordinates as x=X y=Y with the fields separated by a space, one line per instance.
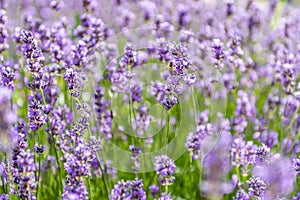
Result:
x=149 y=99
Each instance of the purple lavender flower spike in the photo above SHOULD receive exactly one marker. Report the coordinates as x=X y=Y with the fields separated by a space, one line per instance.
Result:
x=135 y=157
x=26 y=169
x=218 y=53
x=257 y=187
x=128 y=190
x=35 y=115
x=296 y=165
x=165 y=168
x=74 y=83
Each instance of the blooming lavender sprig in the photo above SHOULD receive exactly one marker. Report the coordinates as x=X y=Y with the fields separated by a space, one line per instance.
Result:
x=164 y=94
x=7 y=75
x=288 y=78
x=33 y=56
x=35 y=115
x=103 y=114
x=26 y=169
x=165 y=168
x=77 y=166
x=74 y=82
x=296 y=165
x=194 y=139
x=135 y=157
x=242 y=153
x=257 y=187
x=193 y=144
x=218 y=53
x=132 y=189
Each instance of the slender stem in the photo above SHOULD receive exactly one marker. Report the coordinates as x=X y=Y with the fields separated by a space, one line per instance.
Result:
x=194 y=105
x=53 y=143
x=102 y=175
x=166 y=188
x=39 y=175
x=168 y=131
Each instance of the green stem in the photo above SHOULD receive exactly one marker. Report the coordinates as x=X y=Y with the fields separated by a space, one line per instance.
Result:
x=194 y=105
x=39 y=175
x=53 y=143
x=102 y=176
x=168 y=131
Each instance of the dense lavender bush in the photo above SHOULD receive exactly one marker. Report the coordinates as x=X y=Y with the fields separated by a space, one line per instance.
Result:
x=149 y=99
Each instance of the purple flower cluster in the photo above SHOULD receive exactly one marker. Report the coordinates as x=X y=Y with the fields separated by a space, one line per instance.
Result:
x=26 y=180
x=133 y=189
x=165 y=168
x=104 y=115
x=194 y=140
x=33 y=56
x=35 y=115
x=257 y=187
x=135 y=157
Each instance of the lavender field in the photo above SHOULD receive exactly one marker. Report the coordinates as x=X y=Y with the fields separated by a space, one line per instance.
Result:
x=149 y=99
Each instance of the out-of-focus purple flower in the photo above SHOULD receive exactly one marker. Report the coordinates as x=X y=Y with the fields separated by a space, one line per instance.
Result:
x=245 y=109
x=296 y=197
x=7 y=118
x=3 y=172
x=242 y=153
x=163 y=28
x=216 y=165
x=154 y=189
x=165 y=168
x=277 y=175
x=165 y=196
x=103 y=114
x=4 y=196
x=39 y=148
x=135 y=157
x=242 y=195
x=142 y=121
x=130 y=56
x=60 y=117
x=288 y=107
